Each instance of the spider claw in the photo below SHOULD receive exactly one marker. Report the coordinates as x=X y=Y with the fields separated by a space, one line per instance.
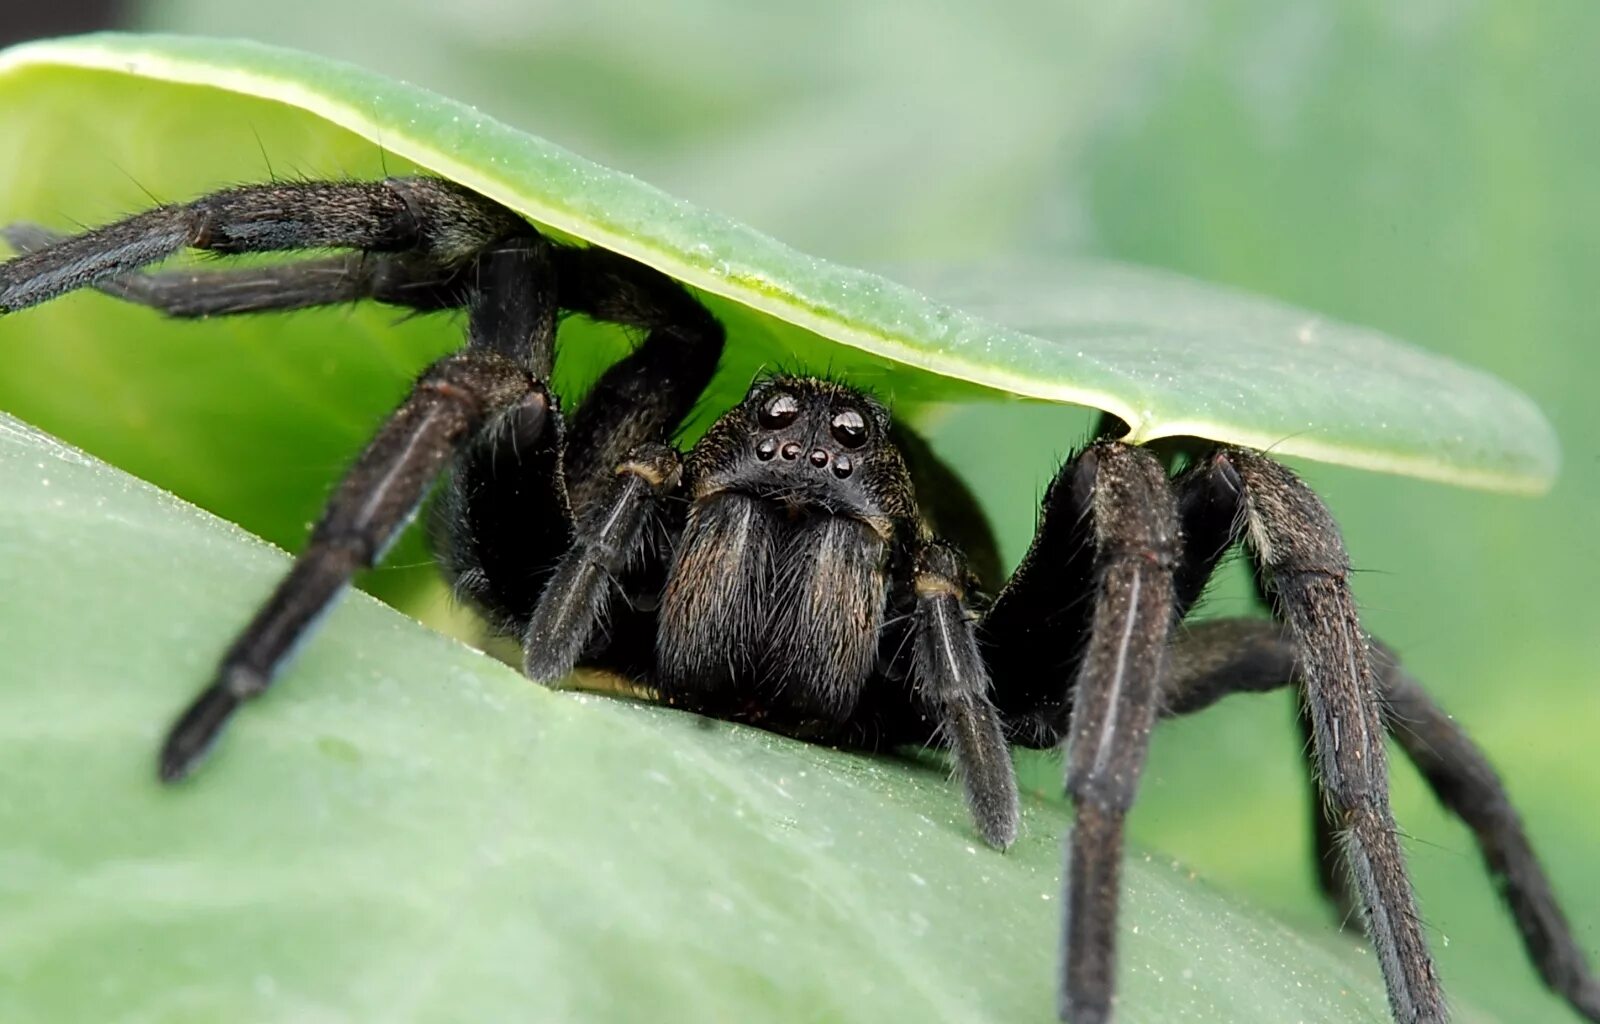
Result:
x=194 y=733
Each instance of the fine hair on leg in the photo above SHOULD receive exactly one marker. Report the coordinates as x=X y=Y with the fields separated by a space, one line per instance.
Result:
x=950 y=674
x=1226 y=656
x=1301 y=562
x=1109 y=529
x=383 y=489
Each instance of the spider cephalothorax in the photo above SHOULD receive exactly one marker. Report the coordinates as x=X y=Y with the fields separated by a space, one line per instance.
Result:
x=810 y=564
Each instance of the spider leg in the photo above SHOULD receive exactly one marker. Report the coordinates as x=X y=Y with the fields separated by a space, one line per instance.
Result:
x=1114 y=705
x=1218 y=658
x=1465 y=782
x=644 y=397
x=1034 y=633
x=1110 y=527
x=443 y=223
x=950 y=673
x=610 y=537
x=1303 y=567
x=1208 y=519
x=379 y=495
x=619 y=470
x=402 y=279
x=1327 y=849
x=538 y=533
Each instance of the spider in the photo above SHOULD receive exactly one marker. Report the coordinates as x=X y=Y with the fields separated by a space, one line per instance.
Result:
x=811 y=566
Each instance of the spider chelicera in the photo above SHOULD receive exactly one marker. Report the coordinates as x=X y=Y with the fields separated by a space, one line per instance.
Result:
x=811 y=566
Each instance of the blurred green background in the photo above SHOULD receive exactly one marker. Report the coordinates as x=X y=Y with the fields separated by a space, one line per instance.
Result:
x=1424 y=168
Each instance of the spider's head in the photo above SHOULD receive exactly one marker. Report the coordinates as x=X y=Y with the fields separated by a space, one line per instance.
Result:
x=808 y=444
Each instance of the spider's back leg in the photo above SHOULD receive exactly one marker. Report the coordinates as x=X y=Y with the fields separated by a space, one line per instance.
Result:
x=1227 y=656
x=403 y=279
x=1301 y=561
x=444 y=225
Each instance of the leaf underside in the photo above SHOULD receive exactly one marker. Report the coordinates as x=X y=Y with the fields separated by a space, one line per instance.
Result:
x=1168 y=356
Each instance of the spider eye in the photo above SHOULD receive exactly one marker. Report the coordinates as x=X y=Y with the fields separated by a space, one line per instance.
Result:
x=849 y=428
x=780 y=411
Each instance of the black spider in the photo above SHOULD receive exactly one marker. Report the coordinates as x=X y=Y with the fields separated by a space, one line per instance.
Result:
x=811 y=566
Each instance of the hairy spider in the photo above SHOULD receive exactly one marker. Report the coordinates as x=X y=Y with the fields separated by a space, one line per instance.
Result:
x=811 y=566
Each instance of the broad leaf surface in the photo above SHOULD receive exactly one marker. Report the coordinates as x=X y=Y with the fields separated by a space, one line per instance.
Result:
x=1297 y=383
x=406 y=830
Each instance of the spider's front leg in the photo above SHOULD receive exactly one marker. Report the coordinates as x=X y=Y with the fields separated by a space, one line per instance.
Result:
x=1301 y=562
x=378 y=496
x=1109 y=528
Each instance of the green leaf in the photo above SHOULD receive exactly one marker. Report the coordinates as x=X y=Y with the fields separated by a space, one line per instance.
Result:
x=406 y=830
x=1168 y=358
x=1407 y=166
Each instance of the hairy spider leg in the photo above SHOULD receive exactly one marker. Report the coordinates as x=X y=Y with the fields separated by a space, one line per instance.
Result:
x=644 y=397
x=380 y=493
x=441 y=223
x=403 y=279
x=608 y=478
x=508 y=513
x=519 y=514
x=952 y=570
x=1210 y=519
x=1113 y=708
x=1301 y=562
x=952 y=678
x=1109 y=525
x=610 y=539
x=1222 y=657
